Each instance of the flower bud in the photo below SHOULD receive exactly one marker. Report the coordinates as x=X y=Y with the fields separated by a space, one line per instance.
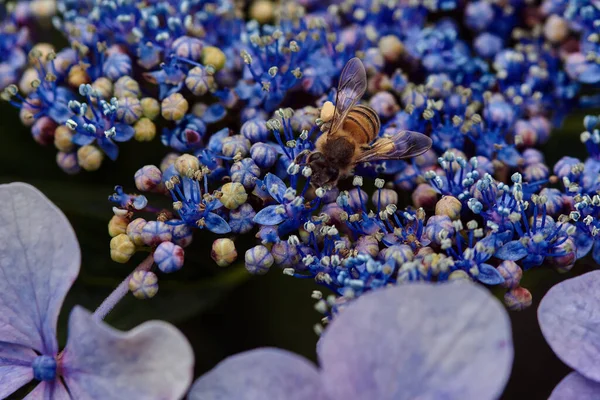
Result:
x=264 y=155
x=517 y=299
x=78 y=76
x=185 y=163
x=565 y=262
x=245 y=172
x=145 y=130
x=391 y=48
x=284 y=255
x=241 y=219
x=129 y=110
x=104 y=87
x=449 y=206
x=459 y=275
x=25 y=83
x=255 y=130
x=150 y=107
x=233 y=195
x=511 y=273
x=121 y=248
x=156 y=232
x=126 y=86
x=148 y=178
x=89 y=157
x=169 y=257
x=436 y=225
x=262 y=11
x=62 y=138
x=258 y=260
x=43 y=130
x=223 y=252
x=117 y=225
x=143 y=284
x=174 y=107
x=213 y=56
x=134 y=231
x=182 y=235
x=168 y=160
x=236 y=145
x=384 y=198
x=367 y=245
x=556 y=29
x=424 y=196
x=68 y=162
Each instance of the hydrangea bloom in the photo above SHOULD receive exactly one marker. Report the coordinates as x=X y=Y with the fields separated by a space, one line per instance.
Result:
x=153 y=360
x=568 y=317
x=447 y=341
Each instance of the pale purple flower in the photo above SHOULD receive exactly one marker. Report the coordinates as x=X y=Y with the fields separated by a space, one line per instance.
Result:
x=39 y=261
x=414 y=341
x=569 y=316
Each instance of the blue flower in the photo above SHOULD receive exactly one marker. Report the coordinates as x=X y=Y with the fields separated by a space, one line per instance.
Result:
x=376 y=348
x=39 y=269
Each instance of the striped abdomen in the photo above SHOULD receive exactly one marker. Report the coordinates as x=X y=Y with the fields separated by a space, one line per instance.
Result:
x=362 y=123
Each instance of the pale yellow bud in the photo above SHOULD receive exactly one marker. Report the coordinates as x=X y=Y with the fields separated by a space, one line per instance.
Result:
x=145 y=130
x=150 y=107
x=174 y=107
x=62 y=138
x=391 y=47
x=213 y=56
x=121 y=248
x=223 y=252
x=262 y=11
x=104 y=86
x=117 y=225
x=449 y=206
x=89 y=157
x=234 y=195
x=186 y=163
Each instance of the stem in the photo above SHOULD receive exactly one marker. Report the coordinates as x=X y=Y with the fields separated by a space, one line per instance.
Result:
x=113 y=299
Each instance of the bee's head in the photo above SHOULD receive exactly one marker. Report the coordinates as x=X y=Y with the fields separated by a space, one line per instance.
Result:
x=322 y=170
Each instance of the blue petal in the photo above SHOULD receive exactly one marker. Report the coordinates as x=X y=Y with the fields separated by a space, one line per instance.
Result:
x=489 y=275
x=39 y=260
x=591 y=74
x=109 y=148
x=151 y=361
x=583 y=242
x=260 y=374
x=511 y=251
x=215 y=112
x=596 y=252
x=124 y=132
x=82 y=140
x=216 y=224
x=276 y=187
x=418 y=340
x=268 y=216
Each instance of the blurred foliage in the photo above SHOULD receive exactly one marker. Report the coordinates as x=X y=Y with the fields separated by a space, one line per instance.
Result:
x=223 y=310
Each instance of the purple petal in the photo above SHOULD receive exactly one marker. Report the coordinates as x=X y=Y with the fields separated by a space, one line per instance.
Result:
x=54 y=390
x=426 y=341
x=576 y=386
x=260 y=374
x=151 y=361
x=15 y=367
x=269 y=216
x=124 y=132
x=39 y=260
x=275 y=186
x=569 y=316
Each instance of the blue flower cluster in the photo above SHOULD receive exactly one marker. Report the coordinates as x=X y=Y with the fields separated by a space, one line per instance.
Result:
x=486 y=87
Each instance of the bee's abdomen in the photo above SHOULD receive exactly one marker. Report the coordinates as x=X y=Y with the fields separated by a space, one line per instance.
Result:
x=363 y=123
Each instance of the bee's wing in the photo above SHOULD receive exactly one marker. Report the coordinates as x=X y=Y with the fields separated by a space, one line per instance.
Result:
x=402 y=144
x=352 y=86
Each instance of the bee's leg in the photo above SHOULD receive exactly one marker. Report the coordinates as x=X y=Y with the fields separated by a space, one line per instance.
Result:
x=300 y=155
x=365 y=147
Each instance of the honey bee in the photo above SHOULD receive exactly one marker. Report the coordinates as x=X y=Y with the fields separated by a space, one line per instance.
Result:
x=352 y=136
